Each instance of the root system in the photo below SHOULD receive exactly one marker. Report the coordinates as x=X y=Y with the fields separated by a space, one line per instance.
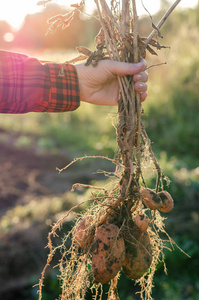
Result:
x=120 y=204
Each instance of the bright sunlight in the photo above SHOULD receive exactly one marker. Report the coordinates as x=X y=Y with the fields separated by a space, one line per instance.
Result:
x=14 y=11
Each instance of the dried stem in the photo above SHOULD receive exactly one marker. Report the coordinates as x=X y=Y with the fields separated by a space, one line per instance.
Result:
x=154 y=159
x=125 y=19
x=138 y=99
x=161 y=22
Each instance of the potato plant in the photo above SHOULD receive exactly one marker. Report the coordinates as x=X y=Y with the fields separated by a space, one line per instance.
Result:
x=120 y=231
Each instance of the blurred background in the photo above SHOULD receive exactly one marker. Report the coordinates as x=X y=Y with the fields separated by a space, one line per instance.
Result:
x=33 y=195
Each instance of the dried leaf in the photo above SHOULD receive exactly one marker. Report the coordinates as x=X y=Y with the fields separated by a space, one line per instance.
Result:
x=53 y=19
x=78 y=58
x=84 y=51
x=52 y=27
x=44 y=2
x=60 y=21
x=154 y=43
x=151 y=50
x=78 y=5
x=155 y=27
x=60 y=17
x=100 y=36
x=67 y=22
x=75 y=5
x=157 y=45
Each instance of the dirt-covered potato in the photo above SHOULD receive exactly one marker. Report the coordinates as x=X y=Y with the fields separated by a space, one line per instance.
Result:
x=142 y=222
x=150 y=198
x=108 y=253
x=167 y=201
x=138 y=257
x=83 y=234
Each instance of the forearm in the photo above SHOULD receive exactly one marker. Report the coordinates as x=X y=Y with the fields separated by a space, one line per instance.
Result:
x=26 y=85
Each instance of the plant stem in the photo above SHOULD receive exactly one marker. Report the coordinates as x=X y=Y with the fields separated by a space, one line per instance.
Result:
x=161 y=22
x=137 y=95
x=152 y=155
x=125 y=19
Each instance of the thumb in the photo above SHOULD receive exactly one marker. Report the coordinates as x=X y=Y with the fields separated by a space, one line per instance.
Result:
x=123 y=68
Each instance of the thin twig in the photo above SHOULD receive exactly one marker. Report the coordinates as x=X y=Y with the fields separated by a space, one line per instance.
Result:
x=161 y=22
x=88 y=186
x=156 y=65
x=90 y=156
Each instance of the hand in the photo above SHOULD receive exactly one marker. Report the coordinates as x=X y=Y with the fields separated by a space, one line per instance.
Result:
x=99 y=85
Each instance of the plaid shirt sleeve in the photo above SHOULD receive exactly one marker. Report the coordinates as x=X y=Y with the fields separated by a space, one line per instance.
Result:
x=26 y=85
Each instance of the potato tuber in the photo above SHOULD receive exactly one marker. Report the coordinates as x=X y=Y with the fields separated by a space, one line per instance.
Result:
x=167 y=201
x=83 y=234
x=142 y=222
x=138 y=257
x=150 y=198
x=108 y=253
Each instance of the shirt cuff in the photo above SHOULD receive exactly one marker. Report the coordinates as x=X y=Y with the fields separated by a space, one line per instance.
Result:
x=64 y=89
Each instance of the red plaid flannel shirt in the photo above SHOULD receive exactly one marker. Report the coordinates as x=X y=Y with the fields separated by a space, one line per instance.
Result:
x=26 y=85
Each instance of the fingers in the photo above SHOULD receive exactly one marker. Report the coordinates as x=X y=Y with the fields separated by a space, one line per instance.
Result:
x=143 y=96
x=140 y=80
x=123 y=68
x=140 y=87
x=141 y=77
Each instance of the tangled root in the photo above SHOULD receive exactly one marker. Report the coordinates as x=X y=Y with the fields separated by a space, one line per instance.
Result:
x=105 y=240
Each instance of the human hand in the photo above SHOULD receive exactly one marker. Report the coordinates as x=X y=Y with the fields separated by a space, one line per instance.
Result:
x=99 y=85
